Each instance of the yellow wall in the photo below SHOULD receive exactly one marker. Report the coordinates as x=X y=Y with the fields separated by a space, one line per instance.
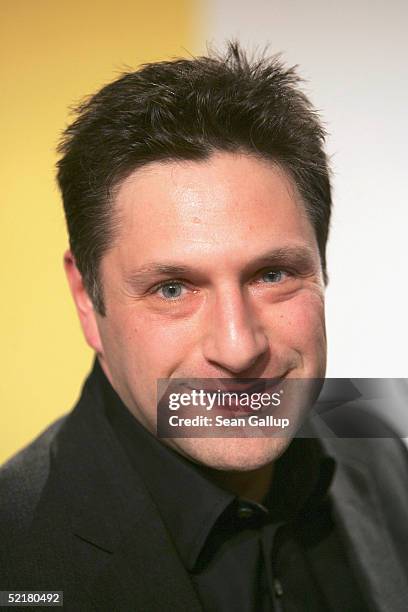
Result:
x=52 y=54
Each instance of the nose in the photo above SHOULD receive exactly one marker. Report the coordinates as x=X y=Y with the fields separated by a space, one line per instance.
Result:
x=234 y=339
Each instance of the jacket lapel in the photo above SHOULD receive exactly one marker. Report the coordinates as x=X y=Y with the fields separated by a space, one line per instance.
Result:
x=127 y=560
x=143 y=571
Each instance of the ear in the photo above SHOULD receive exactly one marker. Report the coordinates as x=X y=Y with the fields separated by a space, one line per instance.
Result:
x=83 y=303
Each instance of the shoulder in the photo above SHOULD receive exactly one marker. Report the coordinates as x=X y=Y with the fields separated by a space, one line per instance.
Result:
x=22 y=480
x=355 y=432
x=385 y=459
x=370 y=454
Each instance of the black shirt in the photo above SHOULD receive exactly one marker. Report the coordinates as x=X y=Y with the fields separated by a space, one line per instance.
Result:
x=285 y=554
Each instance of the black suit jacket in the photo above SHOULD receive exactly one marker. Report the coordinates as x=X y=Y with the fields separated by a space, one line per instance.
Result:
x=74 y=516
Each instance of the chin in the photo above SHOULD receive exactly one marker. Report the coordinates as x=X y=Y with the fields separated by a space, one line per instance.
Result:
x=232 y=454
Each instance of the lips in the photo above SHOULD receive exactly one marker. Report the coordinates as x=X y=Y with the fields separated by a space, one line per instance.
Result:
x=231 y=385
x=240 y=387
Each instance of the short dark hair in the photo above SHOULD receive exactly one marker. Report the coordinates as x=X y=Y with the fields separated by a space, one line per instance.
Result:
x=186 y=109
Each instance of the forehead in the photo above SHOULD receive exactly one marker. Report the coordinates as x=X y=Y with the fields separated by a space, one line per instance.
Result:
x=225 y=206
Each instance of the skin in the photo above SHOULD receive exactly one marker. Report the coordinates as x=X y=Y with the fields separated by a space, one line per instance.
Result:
x=235 y=314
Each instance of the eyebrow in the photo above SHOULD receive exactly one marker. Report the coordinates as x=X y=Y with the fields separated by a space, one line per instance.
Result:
x=299 y=257
x=294 y=256
x=137 y=278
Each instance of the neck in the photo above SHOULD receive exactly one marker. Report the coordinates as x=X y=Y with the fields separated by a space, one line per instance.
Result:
x=252 y=485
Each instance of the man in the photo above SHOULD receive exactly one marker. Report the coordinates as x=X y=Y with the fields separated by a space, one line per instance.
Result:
x=197 y=200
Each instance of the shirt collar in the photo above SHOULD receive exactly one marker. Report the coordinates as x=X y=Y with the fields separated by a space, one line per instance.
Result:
x=301 y=479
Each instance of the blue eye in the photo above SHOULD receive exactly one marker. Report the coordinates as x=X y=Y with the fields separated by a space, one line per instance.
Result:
x=273 y=276
x=171 y=291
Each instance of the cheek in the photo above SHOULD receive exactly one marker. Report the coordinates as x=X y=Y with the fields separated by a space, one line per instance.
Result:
x=300 y=321
x=153 y=347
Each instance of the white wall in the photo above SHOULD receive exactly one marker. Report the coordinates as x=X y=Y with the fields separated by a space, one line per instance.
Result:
x=354 y=56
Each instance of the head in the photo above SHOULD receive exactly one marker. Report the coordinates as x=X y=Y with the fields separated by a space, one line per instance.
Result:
x=197 y=199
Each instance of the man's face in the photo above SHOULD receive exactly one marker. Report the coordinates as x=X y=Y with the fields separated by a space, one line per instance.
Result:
x=215 y=274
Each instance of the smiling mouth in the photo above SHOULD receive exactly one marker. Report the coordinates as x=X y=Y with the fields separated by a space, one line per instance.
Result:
x=239 y=387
